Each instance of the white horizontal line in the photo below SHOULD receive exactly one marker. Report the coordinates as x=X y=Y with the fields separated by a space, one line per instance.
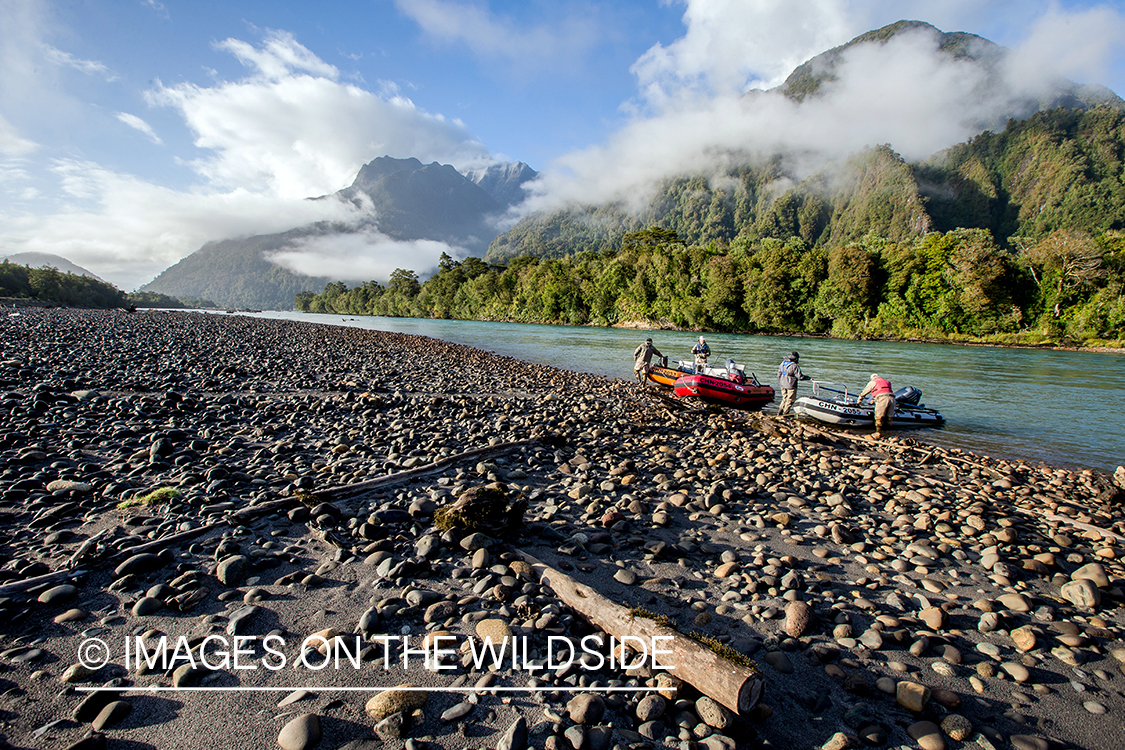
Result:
x=329 y=689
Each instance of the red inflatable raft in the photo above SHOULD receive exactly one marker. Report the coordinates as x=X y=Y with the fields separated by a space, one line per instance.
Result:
x=749 y=394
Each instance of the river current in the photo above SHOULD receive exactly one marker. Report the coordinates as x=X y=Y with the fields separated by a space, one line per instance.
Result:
x=1062 y=408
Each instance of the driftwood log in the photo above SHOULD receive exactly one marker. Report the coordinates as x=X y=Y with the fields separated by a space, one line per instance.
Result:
x=15 y=587
x=737 y=687
x=479 y=454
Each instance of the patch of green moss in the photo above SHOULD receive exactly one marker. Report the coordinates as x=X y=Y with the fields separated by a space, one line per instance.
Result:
x=156 y=497
x=306 y=498
x=723 y=650
x=663 y=620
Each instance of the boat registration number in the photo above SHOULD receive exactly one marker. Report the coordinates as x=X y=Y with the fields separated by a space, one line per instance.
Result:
x=842 y=409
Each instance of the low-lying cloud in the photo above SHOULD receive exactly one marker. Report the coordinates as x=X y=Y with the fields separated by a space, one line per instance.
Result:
x=693 y=117
x=361 y=256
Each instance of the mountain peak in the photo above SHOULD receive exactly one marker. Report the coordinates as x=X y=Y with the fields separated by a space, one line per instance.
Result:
x=503 y=181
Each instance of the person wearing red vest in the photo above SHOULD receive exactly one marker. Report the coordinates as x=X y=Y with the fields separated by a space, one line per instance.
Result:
x=880 y=390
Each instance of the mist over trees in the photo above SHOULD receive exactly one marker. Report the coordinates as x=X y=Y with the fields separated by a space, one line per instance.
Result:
x=1014 y=236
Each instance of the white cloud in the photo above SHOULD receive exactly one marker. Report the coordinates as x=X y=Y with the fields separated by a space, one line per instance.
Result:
x=556 y=44
x=65 y=59
x=291 y=128
x=11 y=142
x=732 y=45
x=361 y=256
x=280 y=56
x=904 y=92
x=140 y=125
x=1078 y=45
x=287 y=131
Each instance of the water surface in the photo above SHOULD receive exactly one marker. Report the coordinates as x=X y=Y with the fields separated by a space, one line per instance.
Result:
x=1062 y=408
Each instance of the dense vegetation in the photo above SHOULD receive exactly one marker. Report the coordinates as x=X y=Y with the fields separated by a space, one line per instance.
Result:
x=1067 y=287
x=165 y=302
x=52 y=286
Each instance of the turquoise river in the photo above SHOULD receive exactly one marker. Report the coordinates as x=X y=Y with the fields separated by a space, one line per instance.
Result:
x=1059 y=407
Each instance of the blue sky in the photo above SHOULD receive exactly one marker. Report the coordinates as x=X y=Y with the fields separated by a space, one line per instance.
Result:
x=133 y=131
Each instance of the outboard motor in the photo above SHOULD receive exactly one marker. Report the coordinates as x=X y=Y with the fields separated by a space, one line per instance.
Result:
x=908 y=395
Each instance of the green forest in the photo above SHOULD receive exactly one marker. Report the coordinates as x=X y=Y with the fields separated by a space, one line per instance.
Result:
x=52 y=286
x=1012 y=237
x=1067 y=288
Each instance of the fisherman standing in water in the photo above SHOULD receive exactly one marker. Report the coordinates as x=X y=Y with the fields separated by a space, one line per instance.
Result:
x=881 y=391
x=642 y=360
x=701 y=352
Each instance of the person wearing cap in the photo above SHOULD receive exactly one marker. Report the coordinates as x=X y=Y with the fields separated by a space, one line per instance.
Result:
x=642 y=360
x=880 y=390
x=788 y=374
x=701 y=352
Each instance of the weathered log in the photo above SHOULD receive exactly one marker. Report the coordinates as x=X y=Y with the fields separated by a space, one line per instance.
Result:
x=736 y=686
x=1106 y=533
x=341 y=492
x=86 y=545
x=15 y=587
x=261 y=509
x=161 y=543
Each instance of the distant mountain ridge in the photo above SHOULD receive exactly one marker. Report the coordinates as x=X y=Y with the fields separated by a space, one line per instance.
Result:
x=47 y=260
x=401 y=198
x=1060 y=169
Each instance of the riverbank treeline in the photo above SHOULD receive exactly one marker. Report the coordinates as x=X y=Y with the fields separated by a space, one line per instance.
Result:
x=50 y=286
x=1068 y=287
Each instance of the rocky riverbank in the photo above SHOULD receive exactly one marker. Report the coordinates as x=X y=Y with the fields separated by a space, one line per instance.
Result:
x=171 y=475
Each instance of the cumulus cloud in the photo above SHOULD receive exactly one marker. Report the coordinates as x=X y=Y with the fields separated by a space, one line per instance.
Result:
x=361 y=256
x=140 y=125
x=291 y=128
x=555 y=44
x=904 y=92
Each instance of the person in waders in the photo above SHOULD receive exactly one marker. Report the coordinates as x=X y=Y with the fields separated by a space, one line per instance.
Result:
x=642 y=360
x=701 y=352
x=788 y=374
x=880 y=390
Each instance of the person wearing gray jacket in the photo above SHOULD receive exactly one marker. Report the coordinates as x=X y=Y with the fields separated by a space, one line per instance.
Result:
x=788 y=375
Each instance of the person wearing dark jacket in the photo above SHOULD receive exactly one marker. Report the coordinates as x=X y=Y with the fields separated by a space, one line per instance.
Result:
x=701 y=351
x=788 y=375
x=642 y=359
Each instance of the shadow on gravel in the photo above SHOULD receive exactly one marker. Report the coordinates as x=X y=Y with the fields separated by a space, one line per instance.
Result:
x=148 y=711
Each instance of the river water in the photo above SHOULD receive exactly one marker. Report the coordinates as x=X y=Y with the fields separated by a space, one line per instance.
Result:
x=1061 y=408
